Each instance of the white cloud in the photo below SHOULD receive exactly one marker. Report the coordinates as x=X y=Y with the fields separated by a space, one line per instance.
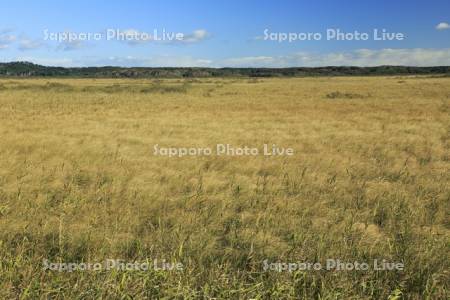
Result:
x=6 y=38
x=134 y=37
x=196 y=36
x=154 y=61
x=69 y=45
x=442 y=26
x=122 y=61
x=360 y=57
x=28 y=44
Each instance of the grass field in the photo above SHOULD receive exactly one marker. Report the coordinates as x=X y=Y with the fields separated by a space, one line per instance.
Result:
x=369 y=179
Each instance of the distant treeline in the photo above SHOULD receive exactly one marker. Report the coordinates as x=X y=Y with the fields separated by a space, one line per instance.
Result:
x=26 y=69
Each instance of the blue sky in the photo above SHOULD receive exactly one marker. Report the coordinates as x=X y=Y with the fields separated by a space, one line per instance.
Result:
x=226 y=33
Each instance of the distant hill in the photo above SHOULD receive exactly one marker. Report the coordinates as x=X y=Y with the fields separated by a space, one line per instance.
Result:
x=27 y=69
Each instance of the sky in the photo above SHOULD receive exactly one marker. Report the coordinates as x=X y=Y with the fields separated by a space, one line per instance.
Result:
x=200 y=33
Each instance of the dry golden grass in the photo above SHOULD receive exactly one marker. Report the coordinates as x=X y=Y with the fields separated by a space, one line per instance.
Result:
x=369 y=180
